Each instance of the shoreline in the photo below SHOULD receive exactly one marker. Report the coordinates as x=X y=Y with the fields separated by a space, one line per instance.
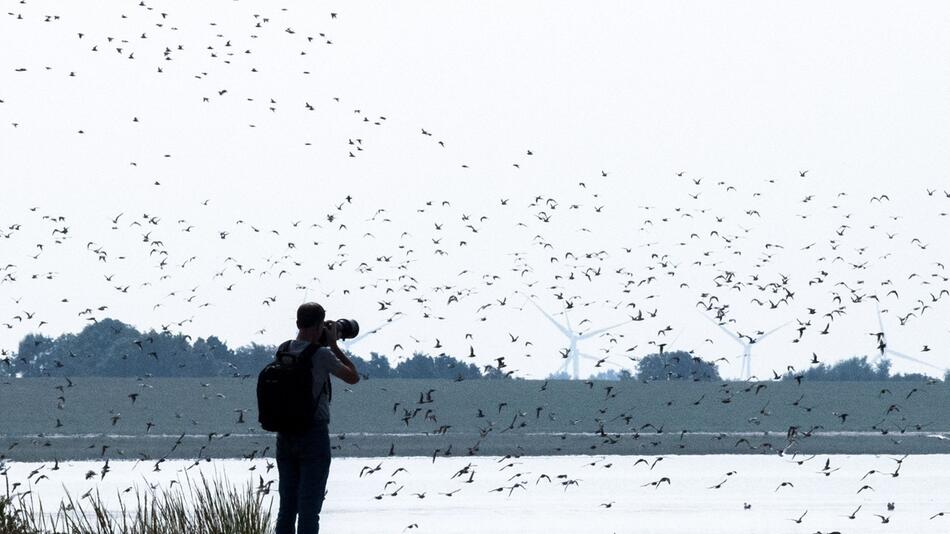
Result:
x=467 y=444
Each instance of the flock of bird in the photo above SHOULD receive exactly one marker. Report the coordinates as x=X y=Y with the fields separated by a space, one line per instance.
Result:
x=444 y=267
x=721 y=257
x=515 y=479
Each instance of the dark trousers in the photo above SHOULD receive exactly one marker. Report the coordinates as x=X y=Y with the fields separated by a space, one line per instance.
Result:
x=303 y=464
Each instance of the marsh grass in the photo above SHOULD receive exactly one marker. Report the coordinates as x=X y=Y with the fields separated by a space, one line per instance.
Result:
x=206 y=506
x=11 y=522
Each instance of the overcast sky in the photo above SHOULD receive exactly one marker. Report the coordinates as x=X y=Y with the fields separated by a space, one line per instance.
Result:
x=250 y=111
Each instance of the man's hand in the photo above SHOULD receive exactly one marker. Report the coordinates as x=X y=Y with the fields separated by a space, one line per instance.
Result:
x=332 y=335
x=349 y=375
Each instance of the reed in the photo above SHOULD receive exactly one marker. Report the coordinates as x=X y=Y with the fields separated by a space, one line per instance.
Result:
x=204 y=506
x=11 y=520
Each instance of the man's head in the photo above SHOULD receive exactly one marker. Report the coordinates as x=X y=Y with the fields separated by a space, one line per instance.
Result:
x=310 y=315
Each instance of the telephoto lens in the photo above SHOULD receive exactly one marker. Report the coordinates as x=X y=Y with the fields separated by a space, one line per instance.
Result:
x=347 y=328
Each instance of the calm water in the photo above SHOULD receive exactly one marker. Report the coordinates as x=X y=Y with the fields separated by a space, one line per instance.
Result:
x=686 y=505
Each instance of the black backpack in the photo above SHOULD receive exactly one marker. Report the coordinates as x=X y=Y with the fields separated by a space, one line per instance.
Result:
x=285 y=399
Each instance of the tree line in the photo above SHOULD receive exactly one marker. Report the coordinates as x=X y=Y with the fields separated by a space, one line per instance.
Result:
x=856 y=369
x=677 y=365
x=687 y=367
x=112 y=348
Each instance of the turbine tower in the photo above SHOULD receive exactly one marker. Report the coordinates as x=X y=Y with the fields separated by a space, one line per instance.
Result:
x=883 y=347
x=574 y=356
x=746 y=371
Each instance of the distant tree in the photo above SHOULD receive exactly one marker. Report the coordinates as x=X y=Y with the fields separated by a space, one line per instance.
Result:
x=911 y=377
x=679 y=365
x=250 y=359
x=34 y=352
x=609 y=374
x=883 y=368
x=852 y=369
x=612 y=374
x=377 y=366
x=857 y=369
x=492 y=372
x=442 y=366
x=111 y=348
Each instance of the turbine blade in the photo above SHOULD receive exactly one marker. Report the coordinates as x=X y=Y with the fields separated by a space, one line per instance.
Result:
x=602 y=330
x=567 y=322
x=911 y=358
x=723 y=328
x=880 y=322
x=675 y=339
x=558 y=325
x=763 y=336
x=373 y=331
x=563 y=368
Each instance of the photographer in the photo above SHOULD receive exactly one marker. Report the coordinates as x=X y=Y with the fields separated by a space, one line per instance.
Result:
x=303 y=457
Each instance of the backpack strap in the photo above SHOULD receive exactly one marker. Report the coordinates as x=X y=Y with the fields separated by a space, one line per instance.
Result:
x=311 y=349
x=308 y=354
x=283 y=347
x=328 y=385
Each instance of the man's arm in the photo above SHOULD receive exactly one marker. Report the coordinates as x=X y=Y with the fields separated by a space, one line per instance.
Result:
x=348 y=372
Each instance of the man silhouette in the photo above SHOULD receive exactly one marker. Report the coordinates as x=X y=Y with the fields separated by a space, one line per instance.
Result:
x=303 y=458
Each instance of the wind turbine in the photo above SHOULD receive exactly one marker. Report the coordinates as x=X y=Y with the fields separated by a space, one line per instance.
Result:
x=573 y=355
x=885 y=349
x=746 y=371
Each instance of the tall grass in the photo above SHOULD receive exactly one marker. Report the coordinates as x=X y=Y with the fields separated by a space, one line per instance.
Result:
x=11 y=521
x=209 y=506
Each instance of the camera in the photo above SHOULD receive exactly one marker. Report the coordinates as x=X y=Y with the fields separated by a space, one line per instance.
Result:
x=345 y=329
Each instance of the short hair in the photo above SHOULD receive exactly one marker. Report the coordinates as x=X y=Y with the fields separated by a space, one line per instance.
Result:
x=310 y=314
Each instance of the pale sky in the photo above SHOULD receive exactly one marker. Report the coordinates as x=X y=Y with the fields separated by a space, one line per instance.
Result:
x=739 y=95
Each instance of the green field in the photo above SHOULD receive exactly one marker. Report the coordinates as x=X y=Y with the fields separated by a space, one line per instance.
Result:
x=635 y=418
